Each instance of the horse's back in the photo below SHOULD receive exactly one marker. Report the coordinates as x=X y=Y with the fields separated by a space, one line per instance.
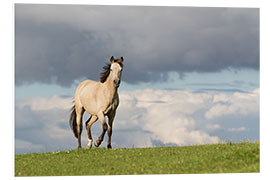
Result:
x=82 y=85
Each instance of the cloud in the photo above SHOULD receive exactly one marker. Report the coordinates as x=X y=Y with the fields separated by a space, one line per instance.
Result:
x=239 y=103
x=237 y=129
x=62 y=43
x=168 y=122
x=213 y=127
x=186 y=117
x=27 y=147
x=42 y=103
x=144 y=118
x=38 y=123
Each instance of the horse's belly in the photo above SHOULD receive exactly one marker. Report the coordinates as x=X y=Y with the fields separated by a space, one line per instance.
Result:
x=94 y=107
x=91 y=110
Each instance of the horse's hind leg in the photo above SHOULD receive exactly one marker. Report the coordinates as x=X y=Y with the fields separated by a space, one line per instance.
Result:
x=89 y=123
x=104 y=129
x=79 y=112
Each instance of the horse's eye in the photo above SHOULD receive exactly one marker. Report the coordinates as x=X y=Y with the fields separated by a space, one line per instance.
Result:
x=110 y=69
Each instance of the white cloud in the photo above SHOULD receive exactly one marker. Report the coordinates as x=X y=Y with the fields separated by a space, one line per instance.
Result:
x=43 y=121
x=182 y=117
x=213 y=126
x=166 y=114
x=238 y=103
x=22 y=146
x=42 y=103
x=237 y=129
x=143 y=118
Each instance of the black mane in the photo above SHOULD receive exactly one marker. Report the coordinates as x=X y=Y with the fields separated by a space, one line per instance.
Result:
x=106 y=71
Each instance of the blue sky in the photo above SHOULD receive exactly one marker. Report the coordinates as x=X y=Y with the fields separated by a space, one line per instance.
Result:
x=227 y=81
x=201 y=65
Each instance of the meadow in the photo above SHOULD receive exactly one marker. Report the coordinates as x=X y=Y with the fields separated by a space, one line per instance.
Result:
x=214 y=158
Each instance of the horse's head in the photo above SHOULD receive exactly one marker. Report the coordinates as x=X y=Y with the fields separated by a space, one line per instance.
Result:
x=116 y=70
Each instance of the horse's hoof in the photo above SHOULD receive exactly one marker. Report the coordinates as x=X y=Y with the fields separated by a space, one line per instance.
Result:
x=97 y=143
x=79 y=147
x=109 y=146
x=89 y=147
x=89 y=144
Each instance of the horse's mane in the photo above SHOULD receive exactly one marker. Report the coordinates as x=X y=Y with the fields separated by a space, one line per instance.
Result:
x=106 y=71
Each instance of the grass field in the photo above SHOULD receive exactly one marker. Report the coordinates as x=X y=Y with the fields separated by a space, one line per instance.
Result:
x=215 y=158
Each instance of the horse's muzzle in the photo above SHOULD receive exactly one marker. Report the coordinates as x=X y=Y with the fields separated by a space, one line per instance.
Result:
x=116 y=83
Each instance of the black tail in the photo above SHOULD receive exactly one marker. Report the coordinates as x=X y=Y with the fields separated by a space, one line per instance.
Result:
x=73 y=122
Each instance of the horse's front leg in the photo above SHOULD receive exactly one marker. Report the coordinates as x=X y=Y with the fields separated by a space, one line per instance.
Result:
x=89 y=123
x=111 y=116
x=101 y=117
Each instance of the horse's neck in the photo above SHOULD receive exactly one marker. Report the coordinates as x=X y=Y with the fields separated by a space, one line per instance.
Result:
x=109 y=86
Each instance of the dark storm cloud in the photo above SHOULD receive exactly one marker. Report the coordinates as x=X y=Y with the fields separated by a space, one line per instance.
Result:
x=61 y=43
x=59 y=53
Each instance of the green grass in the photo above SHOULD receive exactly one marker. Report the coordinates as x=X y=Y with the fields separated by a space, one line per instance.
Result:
x=215 y=158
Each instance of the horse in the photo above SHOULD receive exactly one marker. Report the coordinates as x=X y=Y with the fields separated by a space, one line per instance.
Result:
x=99 y=99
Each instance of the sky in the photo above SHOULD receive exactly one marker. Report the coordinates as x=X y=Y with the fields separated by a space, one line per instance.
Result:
x=191 y=74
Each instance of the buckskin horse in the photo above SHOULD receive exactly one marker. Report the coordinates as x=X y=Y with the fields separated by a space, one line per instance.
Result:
x=99 y=99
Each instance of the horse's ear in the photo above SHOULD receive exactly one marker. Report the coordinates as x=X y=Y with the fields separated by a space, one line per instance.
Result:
x=112 y=59
x=120 y=60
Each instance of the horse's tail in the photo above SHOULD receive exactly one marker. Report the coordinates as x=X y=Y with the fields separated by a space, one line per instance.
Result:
x=73 y=122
